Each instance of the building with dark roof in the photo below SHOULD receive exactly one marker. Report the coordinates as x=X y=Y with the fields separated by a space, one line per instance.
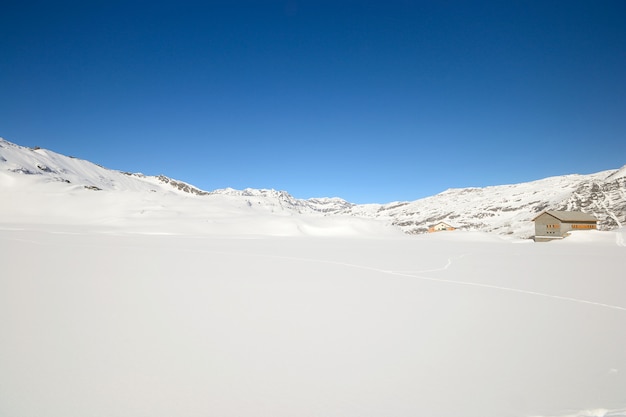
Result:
x=555 y=224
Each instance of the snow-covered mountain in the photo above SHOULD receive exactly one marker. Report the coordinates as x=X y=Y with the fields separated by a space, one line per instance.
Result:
x=509 y=209
x=53 y=167
x=146 y=295
x=38 y=186
x=504 y=209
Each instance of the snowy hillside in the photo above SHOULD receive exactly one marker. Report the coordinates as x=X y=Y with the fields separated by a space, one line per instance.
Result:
x=131 y=295
x=505 y=209
x=509 y=209
x=40 y=186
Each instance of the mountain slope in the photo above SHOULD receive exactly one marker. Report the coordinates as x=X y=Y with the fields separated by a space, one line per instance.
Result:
x=504 y=209
x=40 y=186
x=509 y=209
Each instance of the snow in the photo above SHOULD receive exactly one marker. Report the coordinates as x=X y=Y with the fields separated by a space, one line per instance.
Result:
x=189 y=324
x=620 y=173
x=509 y=209
x=143 y=300
x=506 y=209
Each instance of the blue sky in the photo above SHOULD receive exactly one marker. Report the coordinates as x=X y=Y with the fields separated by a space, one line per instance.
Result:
x=371 y=101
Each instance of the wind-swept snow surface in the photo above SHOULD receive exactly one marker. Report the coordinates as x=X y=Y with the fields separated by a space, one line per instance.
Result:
x=98 y=321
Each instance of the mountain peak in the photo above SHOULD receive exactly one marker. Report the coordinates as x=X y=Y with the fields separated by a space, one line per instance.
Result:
x=619 y=173
x=504 y=209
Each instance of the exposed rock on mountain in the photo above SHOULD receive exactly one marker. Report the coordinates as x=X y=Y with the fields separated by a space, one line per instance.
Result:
x=509 y=209
x=182 y=186
x=504 y=209
x=285 y=201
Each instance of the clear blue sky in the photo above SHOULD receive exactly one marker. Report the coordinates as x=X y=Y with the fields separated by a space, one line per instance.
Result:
x=371 y=101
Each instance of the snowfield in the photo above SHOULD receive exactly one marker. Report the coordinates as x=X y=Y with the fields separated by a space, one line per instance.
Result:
x=121 y=295
x=98 y=321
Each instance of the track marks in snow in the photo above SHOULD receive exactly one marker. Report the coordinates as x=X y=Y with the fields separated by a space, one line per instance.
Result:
x=516 y=290
x=417 y=275
x=423 y=271
x=495 y=287
x=600 y=412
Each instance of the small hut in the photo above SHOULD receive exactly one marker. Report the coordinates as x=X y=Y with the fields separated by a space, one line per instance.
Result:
x=440 y=227
x=555 y=224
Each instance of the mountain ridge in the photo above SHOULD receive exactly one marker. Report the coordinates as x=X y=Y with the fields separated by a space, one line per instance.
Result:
x=501 y=209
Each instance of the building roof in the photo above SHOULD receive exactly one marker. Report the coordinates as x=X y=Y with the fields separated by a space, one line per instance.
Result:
x=444 y=223
x=570 y=216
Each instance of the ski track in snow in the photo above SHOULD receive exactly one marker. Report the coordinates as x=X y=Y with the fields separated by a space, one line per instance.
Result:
x=601 y=412
x=443 y=280
x=443 y=268
x=417 y=274
x=495 y=287
x=517 y=290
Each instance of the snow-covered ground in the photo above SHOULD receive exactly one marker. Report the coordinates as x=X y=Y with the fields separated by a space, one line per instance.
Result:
x=141 y=299
x=101 y=321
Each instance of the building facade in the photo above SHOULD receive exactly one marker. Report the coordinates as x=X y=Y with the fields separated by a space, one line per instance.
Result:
x=439 y=227
x=555 y=224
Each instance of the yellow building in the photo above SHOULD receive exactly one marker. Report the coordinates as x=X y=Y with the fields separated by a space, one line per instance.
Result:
x=440 y=227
